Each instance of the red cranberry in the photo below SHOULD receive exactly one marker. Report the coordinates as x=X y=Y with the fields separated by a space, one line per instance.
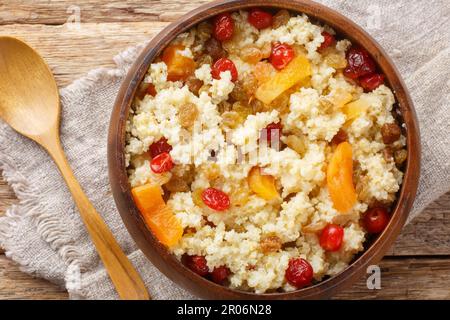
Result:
x=260 y=19
x=359 y=63
x=331 y=237
x=371 y=81
x=197 y=264
x=299 y=273
x=159 y=147
x=281 y=55
x=223 y=27
x=275 y=130
x=220 y=274
x=161 y=163
x=222 y=65
x=375 y=220
x=328 y=41
x=216 y=199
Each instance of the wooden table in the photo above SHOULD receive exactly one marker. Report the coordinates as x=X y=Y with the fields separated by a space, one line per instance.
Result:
x=418 y=266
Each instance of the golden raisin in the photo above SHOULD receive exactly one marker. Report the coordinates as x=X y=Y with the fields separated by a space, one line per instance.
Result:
x=336 y=60
x=263 y=71
x=280 y=18
x=400 y=156
x=231 y=119
x=296 y=143
x=251 y=54
x=197 y=197
x=270 y=244
x=187 y=115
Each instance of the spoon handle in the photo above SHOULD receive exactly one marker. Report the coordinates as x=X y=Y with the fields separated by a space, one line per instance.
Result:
x=125 y=278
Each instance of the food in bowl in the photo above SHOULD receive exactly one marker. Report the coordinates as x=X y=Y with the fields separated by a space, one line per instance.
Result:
x=263 y=150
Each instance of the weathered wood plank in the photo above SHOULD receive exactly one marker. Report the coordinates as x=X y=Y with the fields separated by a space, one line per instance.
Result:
x=57 y=12
x=407 y=278
x=14 y=284
x=410 y=278
x=71 y=53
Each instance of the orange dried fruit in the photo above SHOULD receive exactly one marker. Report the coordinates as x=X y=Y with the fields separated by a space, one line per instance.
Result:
x=340 y=178
x=262 y=184
x=157 y=215
x=179 y=67
x=297 y=70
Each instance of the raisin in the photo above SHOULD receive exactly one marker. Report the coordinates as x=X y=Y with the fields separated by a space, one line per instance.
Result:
x=270 y=244
x=187 y=115
x=339 y=137
x=281 y=18
x=390 y=132
x=400 y=156
x=194 y=85
x=213 y=48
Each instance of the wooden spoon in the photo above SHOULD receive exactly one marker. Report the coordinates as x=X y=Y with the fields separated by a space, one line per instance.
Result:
x=29 y=103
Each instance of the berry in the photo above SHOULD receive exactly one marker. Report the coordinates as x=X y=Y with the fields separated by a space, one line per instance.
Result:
x=376 y=219
x=328 y=41
x=159 y=147
x=359 y=63
x=299 y=273
x=197 y=264
x=222 y=65
x=215 y=199
x=161 y=163
x=220 y=274
x=260 y=19
x=223 y=27
x=273 y=129
x=371 y=81
x=331 y=237
x=281 y=55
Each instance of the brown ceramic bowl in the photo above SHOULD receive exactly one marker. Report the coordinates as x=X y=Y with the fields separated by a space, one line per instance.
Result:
x=158 y=254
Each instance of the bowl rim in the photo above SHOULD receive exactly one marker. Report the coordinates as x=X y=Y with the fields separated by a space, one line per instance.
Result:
x=158 y=254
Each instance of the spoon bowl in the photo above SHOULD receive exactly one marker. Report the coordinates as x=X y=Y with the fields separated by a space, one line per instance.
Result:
x=29 y=100
x=29 y=103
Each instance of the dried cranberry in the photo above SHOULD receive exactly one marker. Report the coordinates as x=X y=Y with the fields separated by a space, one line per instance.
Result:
x=220 y=274
x=359 y=63
x=223 y=27
x=273 y=130
x=299 y=273
x=328 y=40
x=216 y=199
x=331 y=237
x=371 y=81
x=281 y=55
x=159 y=147
x=376 y=219
x=260 y=19
x=161 y=163
x=222 y=65
x=197 y=264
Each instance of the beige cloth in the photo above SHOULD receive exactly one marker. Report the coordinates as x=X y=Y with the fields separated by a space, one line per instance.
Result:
x=44 y=233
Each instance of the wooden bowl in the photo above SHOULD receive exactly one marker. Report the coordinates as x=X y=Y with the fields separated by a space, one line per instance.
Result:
x=158 y=254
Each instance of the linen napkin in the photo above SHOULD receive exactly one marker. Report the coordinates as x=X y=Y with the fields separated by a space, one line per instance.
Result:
x=44 y=233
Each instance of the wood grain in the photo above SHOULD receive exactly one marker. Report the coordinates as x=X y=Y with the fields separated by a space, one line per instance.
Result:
x=108 y=27
x=57 y=12
x=401 y=278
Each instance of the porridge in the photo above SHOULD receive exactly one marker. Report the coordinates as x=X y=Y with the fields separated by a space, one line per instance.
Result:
x=263 y=150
